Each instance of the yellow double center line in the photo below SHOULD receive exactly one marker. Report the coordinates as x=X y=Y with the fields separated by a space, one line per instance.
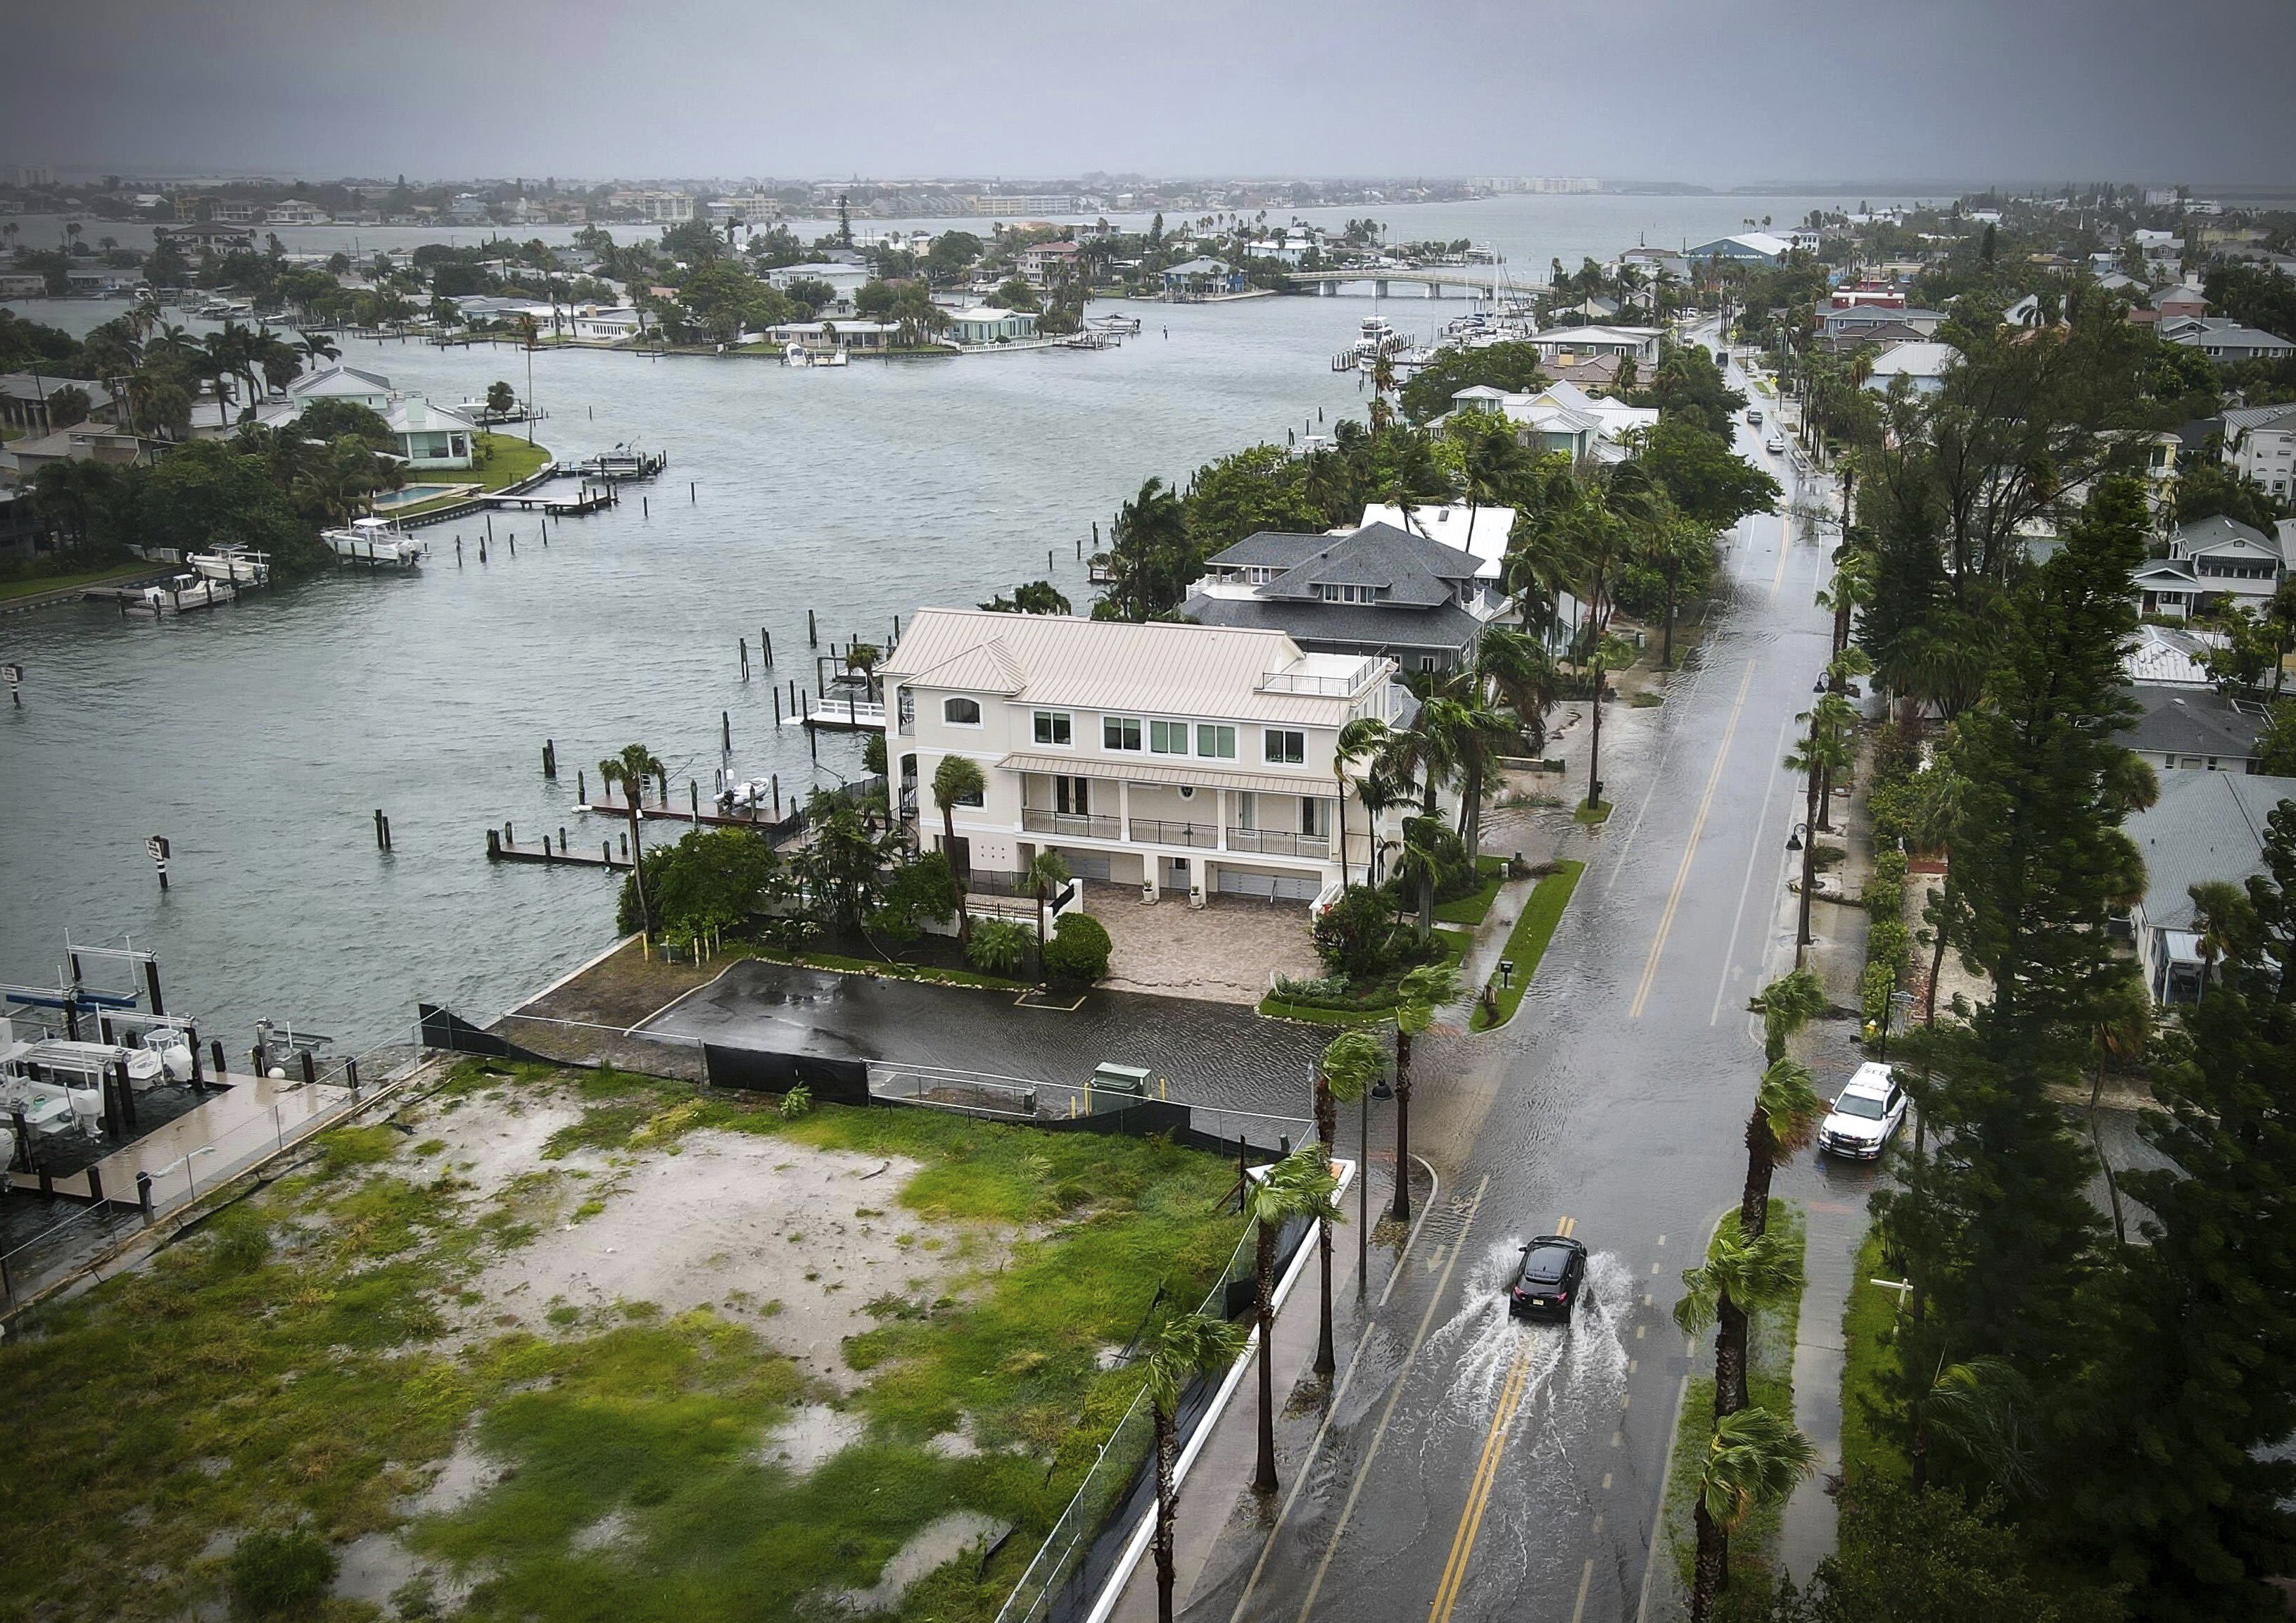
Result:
x=1487 y=1473
x=1690 y=849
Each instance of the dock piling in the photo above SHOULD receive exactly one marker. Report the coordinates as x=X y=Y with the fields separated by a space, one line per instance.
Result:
x=812 y=636
x=458 y=552
x=215 y=1048
x=745 y=659
x=778 y=707
x=550 y=758
x=513 y=543
x=494 y=849
x=778 y=797
x=725 y=731
x=561 y=838
x=692 y=493
x=382 y=831
x=143 y=1196
x=693 y=801
x=765 y=642
x=581 y=787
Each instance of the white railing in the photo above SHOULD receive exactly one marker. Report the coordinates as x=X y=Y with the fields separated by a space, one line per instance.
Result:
x=1323 y=687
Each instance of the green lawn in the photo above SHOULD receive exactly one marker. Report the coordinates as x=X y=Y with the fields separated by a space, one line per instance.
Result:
x=33 y=585
x=1277 y=1008
x=510 y=459
x=1526 y=941
x=1599 y=812
x=1866 y=1325
x=1769 y=1384
x=1470 y=910
x=291 y=1363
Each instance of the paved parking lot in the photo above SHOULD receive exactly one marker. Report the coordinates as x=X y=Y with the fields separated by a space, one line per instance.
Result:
x=1222 y=953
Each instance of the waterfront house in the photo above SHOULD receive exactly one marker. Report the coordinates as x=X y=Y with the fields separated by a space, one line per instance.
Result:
x=986 y=325
x=429 y=436
x=2259 y=443
x=1475 y=528
x=1189 y=758
x=2205 y=826
x=2224 y=340
x=820 y=337
x=2195 y=729
x=1745 y=248
x=370 y=389
x=1041 y=264
x=25 y=396
x=612 y=324
x=1563 y=417
x=1377 y=590
x=81 y=443
x=1202 y=278
x=1563 y=346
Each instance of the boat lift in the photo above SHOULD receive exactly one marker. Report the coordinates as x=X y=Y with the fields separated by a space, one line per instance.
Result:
x=75 y=997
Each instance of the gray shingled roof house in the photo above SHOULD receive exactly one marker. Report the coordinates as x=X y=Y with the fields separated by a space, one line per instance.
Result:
x=2193 y=730
x=2206 y=826
x=1379 y=591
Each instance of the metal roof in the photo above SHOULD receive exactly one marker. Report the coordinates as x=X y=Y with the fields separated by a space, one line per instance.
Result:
x=1162 y=668
x=2205 y=826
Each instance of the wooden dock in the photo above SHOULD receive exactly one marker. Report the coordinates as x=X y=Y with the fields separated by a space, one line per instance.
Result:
x=772 y=828
x=501 y=849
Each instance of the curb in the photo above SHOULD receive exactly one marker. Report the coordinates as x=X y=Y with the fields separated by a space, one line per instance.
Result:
x=1119 y=1576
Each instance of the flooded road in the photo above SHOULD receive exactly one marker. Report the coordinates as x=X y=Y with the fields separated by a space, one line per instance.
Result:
x=1490 y=1469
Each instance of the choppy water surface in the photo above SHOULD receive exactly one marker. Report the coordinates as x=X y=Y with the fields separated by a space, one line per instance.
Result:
x=261 y=737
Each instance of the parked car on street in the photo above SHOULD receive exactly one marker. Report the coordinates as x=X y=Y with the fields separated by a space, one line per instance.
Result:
x=1550 y=1282
x=1866 y=1112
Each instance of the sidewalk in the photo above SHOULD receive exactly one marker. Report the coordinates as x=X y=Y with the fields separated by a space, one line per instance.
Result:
x=1218 y=1490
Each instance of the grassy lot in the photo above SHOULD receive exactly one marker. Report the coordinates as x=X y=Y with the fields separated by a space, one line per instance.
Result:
x=1769 y=1384
x=1471 y=909
x=33 y=585
x=1867 y=1323
x=1526 y=941
x=508 y=458
x=307 y=1355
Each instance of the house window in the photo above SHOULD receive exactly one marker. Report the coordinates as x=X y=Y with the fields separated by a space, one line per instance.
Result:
x=905 y=706
x=1072 y=795
x=1119 y=732
x=961 y=712
x=1215 y=742
x=1167 y=738
x=1053 y=727
x=1286 y=748
x=1311 y=812
x=1244 y=809
x=1427 y=662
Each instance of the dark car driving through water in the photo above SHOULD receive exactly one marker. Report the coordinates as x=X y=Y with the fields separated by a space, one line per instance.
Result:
x=1551 y=1278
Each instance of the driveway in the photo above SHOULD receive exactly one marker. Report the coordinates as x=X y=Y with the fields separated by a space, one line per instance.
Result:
x=1221 y=952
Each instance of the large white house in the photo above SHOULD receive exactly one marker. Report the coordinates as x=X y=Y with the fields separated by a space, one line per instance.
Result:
x=1189 y=758
x=2259 y=443
x=2211 y=560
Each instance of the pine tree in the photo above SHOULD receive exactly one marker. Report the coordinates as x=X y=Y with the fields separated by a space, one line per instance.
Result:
x=1993 y=1224
x=2164 y=1488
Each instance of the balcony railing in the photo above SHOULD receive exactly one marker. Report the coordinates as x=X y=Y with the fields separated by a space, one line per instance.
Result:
x=1325 y=686
x=1156 y=831
x=1072 y=825
x=1279 y=842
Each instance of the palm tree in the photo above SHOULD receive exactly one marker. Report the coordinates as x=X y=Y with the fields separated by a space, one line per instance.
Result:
x=1521 y=677
x=1425 y=990
x=1753 y=1460
x=1603 y=653
x=317 y=347
x=1786 y=1113
x=1350 y=1064
x=1741 y=1273
x=957 y=781
x=1193 y=1345
x=1380 y=794
x=1786 y=1005
x=1046 y=873
x=1826 y=747
x=628 y=772
x=1977 y=1410
x=1299 y=1185
x=1363 y=738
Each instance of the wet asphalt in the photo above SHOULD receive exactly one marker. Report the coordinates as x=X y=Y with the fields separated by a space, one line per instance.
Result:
x=1477 y=1468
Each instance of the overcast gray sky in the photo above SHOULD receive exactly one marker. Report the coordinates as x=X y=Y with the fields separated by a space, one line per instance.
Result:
x=1719 y=92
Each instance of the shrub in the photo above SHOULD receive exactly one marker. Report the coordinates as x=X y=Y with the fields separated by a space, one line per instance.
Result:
x=275 y=1574
x=798 y=1101
x=1078 y=950
x=999 y=946
x=1354 y=935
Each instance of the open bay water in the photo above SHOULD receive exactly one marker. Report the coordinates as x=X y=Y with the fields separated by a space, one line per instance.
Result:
x=260 y=739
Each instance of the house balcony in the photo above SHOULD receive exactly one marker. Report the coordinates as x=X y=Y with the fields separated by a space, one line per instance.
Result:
x=1159 y=831
x=1280 y=842
x=1072 y=825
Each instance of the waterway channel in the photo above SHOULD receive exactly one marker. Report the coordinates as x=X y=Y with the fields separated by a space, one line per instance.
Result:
x=261 y=737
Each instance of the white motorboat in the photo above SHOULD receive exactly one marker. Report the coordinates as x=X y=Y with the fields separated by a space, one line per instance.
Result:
x=1377 y=337
x=376 y=542
x=237 y=565
x=181 y=594
x=797 y=355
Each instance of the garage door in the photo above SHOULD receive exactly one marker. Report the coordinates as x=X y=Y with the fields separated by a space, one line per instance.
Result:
x=1280 y=887
x=1094 y=865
